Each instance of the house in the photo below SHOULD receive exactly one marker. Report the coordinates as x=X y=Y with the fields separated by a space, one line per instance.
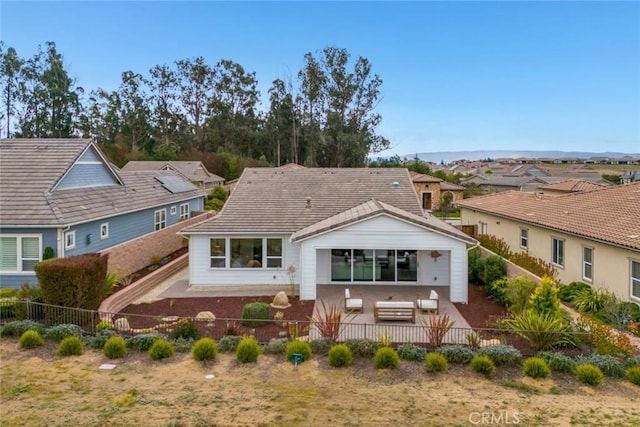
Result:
x=194 y=171
x=332 y=226
x=570 y=186
x=63 y=196
x=498 y=183
x=629 y=177
x=431 y=189
x=591 y=236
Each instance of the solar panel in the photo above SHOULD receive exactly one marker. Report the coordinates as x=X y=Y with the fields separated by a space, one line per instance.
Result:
x=175 y=184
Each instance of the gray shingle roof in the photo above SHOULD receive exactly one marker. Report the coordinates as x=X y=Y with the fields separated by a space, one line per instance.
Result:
x=193 y=170
x=30 y=168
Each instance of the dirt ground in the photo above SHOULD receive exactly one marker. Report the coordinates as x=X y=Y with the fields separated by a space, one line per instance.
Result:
x=41 y=389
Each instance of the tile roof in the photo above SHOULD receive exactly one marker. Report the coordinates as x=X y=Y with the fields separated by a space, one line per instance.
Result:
x=187 y=168
x=30 y=168
x=275 y=199
x=609 y=214
x=572 y=185
x=374 y=208
x=420 y=177
x=448 y=186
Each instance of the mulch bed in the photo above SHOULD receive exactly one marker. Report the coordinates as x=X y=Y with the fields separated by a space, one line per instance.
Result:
x=481 y=311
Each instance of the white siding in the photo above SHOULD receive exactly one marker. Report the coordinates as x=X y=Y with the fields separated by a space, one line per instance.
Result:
x=432 y=271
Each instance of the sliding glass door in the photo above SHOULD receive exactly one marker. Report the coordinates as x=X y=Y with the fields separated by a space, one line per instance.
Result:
x=369 y=265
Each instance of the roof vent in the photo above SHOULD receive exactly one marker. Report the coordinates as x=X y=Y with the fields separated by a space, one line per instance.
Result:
x=395 y=184
x=308 y=203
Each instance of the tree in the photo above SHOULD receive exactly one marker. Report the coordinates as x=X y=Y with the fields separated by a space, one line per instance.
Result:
x=10 y=68
x=163 y=85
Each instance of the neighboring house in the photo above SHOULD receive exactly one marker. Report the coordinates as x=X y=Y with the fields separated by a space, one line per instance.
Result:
x=591 y=236
x=334 y=226
x=194 y=171
x=630 y=176
x=64 y=194
x=570 y=186
x=497 y=183
x=430 y=190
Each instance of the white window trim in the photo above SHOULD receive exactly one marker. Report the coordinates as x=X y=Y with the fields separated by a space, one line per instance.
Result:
x=19 y=258
x=184 y=213
x=162 y=223
x=228 y=260
x=67 y=245
x=585 y=263
x=104 y=226
x=553 y=253
x=173 y=210
x=526 y=239
x=633 y=279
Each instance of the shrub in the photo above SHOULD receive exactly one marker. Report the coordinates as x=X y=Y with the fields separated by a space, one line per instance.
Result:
x=340 y=356
x=502 y=355
x=494 y=269
x=299 y=347
x=544 y=300
x=115 y=347
x=187 y=329
x=104 y=325
x=161 y=349
x=633 y=375
x=24 y=311
x=543 y=332
x=30 y=339
x=518 y=292
x=183 y=345
x=255 y=314
x=632 y=361
x=537 y=266
x=589 y=300
x=19 y=327
x=204 y=349
x=606 y=340
x=619 y=314
x=229 y=343
x=70 y=346
x=321 y=346
x=411 y=352
x=558 y=362
x=62 y=331
x=7 y=302
x=475 y=265
x=363 y=347
x=609 y=365
x=386 y=358
x=536 y=367
x=458 y=354
x=328 y=320
x=483 y=365
x=436 y=327
x=276 y=346
x=568 y=292
x=589 y=374
x=248 y=350
x=496 y=290
x=143 y=342
x=495 y=244
x=436 y=362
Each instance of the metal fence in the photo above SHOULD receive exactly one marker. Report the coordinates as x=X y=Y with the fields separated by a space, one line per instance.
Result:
x=396 y=333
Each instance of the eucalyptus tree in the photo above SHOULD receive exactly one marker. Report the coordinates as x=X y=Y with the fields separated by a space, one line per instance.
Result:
x=131 y=102
x=281 y=122
x=10 y=68
x=163 y=85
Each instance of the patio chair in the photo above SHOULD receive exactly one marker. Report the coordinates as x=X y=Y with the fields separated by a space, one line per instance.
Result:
x=429 y=304
x=352 y=304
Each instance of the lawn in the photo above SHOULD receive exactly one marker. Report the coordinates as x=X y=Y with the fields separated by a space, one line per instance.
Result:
x=39 y=388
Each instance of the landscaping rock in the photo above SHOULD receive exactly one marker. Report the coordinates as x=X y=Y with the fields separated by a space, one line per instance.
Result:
x=206 y=316
x=490 y=343
x=122 y=324
x=280 y=301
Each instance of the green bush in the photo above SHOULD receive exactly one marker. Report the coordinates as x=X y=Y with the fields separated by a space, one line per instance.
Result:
x=340 y=356
x=502 y=355
x=24 y=311
x=475 y=265
x=62 y=331
x=436 y=362
x=30 y=339
x=104 y=325
x=363 y=347
x=229 y=343
x=411 y=352
x=161 y=349
x=543 y=332
x=537 y=266
x=632 y=361
x=255 y=314
x=248 y=350
x=589 y=300
x=386 y=358
x=276 y=346
x=483 y=365
x=321 y=346
x=518 y=292
x=183 y=345
x=204 y=349
x=19 y=327
x=493 y=269
x=544 y=300
x=458 y=354
x=495 y=244
x=497 y=290
x=115 y=347
x=98 y=340
x=536 y=367
x=300 y=347
x=70 y=346
x=8 y=302
x=633 y=375
x=143 y=342
x=187 y=329
x=609 y=365
x=559 y=362
x=589 y=374
x=568 y=292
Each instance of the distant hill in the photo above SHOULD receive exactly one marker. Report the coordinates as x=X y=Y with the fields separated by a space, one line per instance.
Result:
x=449 y=156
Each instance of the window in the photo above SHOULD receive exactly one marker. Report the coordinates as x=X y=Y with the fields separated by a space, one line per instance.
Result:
x=19 y=253
x=635 y=279
x=379 y=265
x=246 y=253
x=587 y=264
x=160 y=219
x=483 y=227
x=274 y=253
x=184 y=211
x=524 y=238
x=104 y=230
x=218 y=252
x=557 y=252
x=70 y=240
x=173 y=210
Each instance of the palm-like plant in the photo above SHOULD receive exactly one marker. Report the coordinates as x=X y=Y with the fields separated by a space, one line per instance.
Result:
x=436 y=327
x=329 y=320
x=542 y=331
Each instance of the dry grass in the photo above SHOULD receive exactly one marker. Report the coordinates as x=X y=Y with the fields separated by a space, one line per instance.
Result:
x=40 y=389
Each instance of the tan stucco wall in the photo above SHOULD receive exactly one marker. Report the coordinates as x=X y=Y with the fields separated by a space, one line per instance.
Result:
x=431 y=187
x=611 y=264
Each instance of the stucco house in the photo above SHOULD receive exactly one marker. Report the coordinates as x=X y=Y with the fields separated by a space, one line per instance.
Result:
x=430 y=190
x=570 y=186
x=63 y=194
x=194 y=171
x=333 y=226
x=591 y=236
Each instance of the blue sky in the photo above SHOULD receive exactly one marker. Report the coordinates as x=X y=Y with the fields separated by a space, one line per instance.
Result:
x=457 y=75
